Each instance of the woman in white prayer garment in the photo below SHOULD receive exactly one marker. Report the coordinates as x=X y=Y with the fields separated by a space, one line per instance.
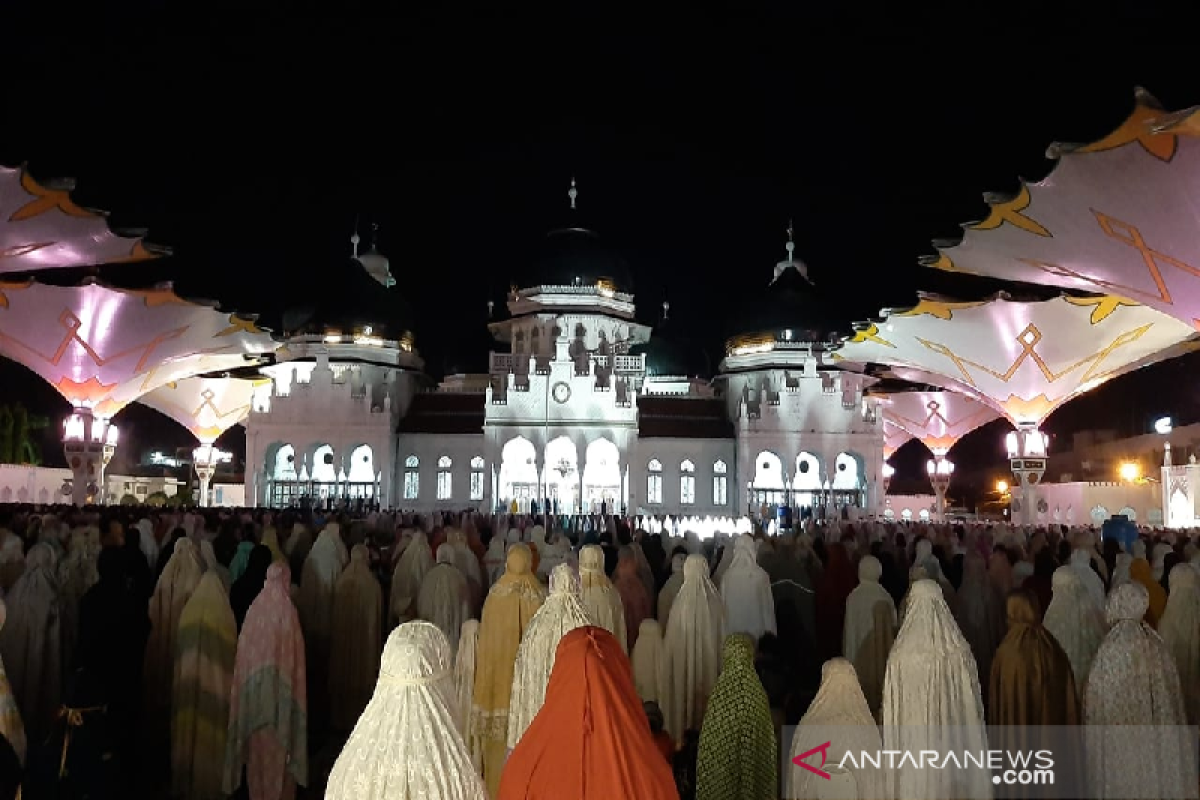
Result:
x=692 y=646
x=414 y=562
x=649 y=663
x=464 y=686
x=930 y=691
x=839 y=714
x=562 y=613
x=600 y=597
x=869 y=630
x=670 y=589
x=1179 y=628
x=355 y=639
x=746 y=591
x=407 y=745
x=445 y=597
x=493 y=560
x=1134 y=682
x=1075 y=623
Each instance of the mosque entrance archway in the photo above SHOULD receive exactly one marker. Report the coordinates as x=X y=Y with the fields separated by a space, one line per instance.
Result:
x=847 y=484
x=518 y=474
x=769 y=486
x=360 y=481
x=1182 y=514
x=806 y=484
x=601 y=476
x=561 y=476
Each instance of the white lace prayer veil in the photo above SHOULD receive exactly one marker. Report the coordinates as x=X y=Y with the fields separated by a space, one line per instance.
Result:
x=562 y=612
x=930 y=692
x=406 y=745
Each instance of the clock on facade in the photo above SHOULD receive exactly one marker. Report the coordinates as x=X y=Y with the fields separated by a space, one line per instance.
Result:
x=561 y=392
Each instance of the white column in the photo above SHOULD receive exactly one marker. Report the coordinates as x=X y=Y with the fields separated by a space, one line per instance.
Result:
x=1027 y=457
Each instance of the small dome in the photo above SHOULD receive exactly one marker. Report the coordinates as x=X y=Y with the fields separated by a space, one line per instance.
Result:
x=789 y=309
x=569 y=256
x=350 y=302
x=669 y=353
x=377 y=266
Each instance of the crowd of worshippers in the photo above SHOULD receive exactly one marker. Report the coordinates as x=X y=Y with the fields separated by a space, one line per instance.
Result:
x=249 y=653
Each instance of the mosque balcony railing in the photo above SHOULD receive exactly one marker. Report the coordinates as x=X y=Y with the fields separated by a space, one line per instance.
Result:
x=627 y=365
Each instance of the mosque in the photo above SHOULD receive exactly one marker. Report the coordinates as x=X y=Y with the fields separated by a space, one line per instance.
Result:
x=583 y=409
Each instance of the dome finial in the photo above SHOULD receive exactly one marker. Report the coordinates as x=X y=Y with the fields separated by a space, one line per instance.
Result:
x=666 y=309
x=354 y=240
x=791 y=242
x=491 y=308
x=573 y=193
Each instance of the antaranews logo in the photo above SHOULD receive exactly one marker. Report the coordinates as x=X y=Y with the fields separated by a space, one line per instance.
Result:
x=1011 y=768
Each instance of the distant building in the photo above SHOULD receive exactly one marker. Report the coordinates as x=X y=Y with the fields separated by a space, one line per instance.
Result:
x=581 y=409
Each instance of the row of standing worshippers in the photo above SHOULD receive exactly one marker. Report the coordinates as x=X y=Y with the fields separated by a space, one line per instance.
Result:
x=593 y=567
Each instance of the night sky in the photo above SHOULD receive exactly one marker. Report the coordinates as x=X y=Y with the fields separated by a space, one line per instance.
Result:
x=250 y=147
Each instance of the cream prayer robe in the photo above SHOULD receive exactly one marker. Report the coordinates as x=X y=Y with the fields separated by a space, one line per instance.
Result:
x=562 y=612
x=445 y=596
x=355 y=640
x=601 y=598
x=174 y=588
x=464 y=684
x=650 y=663
x=509 y=608
x=746 y=591
x=1179 y=628
x=11 y=727
x=692 y=646
x=869 y=630
x=1134 y=682
x=670 y=589
x=406 y=745
x=205 y=648
x=414 y=562
x=1075 y=623
x=931 y=685
x=838 y=714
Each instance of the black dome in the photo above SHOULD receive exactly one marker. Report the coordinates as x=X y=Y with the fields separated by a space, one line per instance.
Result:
x=669 y=353
x=350 y=301
x=789 y=304
x=576 y=255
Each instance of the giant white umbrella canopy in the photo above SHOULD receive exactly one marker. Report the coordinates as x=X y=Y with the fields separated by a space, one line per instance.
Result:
x=938 y=419
x=95 y=343
x=1025 y=359
x=1117 y=217
x=894 y=437
x=42 y=228
x=206 y=406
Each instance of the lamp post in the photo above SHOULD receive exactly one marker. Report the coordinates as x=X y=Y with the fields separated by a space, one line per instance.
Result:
x=1026 y=448
x=888 y=471
x=88 y=444
x=205 y=459
x=940 y=469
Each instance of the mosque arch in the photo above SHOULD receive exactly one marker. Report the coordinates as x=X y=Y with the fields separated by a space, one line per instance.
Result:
x=283 y=465
x=362 y=475
x=1099 y=514
x=518 y=473
x=906 y=514
x=1129 y=513
x=322 y=467
x=923 y=515
x=769 y=486
x=560 y=475
x=848 y=472
x=601 y=475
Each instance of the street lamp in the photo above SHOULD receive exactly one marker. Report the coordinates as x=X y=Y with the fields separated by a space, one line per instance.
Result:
x=88 y=444
x=1026 y=449
x=888 y=471
x=1001 y=487
x=1130 y=471
x=205 y=459
x=940 y=469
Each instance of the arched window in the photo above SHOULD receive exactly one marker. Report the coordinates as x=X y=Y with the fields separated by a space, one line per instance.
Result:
x=687 y=483
x=720 y=494
x=412 y=478
x=477 y=478
x=445 y=488
x=654 y=482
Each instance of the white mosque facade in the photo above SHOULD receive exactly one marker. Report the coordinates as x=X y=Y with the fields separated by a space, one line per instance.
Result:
x=582 y=410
